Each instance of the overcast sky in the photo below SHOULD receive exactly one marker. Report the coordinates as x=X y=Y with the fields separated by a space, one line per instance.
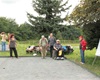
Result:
x=16 y=9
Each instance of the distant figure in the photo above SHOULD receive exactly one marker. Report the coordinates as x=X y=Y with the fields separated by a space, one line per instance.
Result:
x=12 y=46
x=3 y=41
x=51 y=42
x=83 y=44
x=43 y=43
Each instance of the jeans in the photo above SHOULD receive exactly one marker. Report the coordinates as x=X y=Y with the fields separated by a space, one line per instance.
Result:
x=82 y=56
x=3 y=46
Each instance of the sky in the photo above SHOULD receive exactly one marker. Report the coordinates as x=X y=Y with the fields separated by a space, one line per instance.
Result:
x=16 y=9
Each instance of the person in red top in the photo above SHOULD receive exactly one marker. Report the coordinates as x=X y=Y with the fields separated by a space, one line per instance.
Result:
x=83 y=45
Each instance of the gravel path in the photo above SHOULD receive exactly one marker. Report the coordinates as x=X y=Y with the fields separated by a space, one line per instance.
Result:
x=35 y=68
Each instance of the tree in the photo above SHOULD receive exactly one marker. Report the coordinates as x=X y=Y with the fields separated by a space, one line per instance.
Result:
x=49 y=16
x=8 y=25
x=87 y=16
x=88 y=11
x=69 y=32
x=92 y=34
x=59 y=35
x=24 y=32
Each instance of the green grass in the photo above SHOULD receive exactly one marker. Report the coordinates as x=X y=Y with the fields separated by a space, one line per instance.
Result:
x=75 y=56
x=21 y=48
x=89 y=57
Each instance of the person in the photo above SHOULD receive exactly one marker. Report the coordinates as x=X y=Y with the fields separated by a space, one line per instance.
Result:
x=43 y=43
x=83 y=44
x=8 y=37
x=51 y=42
x=3 y=41
x=58 y=49
x=12 y=46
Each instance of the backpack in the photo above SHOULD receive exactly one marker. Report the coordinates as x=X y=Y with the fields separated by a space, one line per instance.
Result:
x=64 y=48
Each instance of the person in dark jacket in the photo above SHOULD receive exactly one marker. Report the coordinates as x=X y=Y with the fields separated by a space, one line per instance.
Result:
x=83 y=44
x=12 y=46
x=57 y=52
x=51 y=42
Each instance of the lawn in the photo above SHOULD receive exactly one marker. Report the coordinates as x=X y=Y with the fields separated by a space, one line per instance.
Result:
x=89 y=57
x=21 y=48
x=75 y=56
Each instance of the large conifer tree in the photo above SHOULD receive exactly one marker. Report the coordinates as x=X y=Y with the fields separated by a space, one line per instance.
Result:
x=49 y=15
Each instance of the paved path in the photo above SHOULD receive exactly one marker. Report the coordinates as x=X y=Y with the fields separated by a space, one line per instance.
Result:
x=35 y=68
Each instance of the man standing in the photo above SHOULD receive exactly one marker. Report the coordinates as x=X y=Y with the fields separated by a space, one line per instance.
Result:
x=51 y=42
x=43 y=43
x=83 y=44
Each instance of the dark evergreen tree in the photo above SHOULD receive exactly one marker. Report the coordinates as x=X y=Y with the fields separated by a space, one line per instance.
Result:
x=92 y=34
x=49 y=16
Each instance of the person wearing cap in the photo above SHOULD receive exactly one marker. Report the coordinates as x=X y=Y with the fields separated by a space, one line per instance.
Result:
x=43 y=43
x=51 y=42
x=57 y=47
x=83 y=45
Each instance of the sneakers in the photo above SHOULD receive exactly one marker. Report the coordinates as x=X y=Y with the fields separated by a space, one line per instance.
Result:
x=62 y=58
x=81 y=62
x=57 y=58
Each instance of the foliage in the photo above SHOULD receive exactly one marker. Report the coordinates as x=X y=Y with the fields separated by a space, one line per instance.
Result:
x=8 y=25
x=70 y=32
x=24 y=32
x=49 y=16
x=87 y=16
x=88 y=11
x=92 y=32
x=48 y=20
x=59 y=35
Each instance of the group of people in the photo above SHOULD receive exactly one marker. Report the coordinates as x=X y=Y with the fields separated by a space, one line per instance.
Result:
x=54 y=45
x=11 y=43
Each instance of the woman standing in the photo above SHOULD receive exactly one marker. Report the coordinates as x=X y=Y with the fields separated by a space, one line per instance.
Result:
x=12 y=46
